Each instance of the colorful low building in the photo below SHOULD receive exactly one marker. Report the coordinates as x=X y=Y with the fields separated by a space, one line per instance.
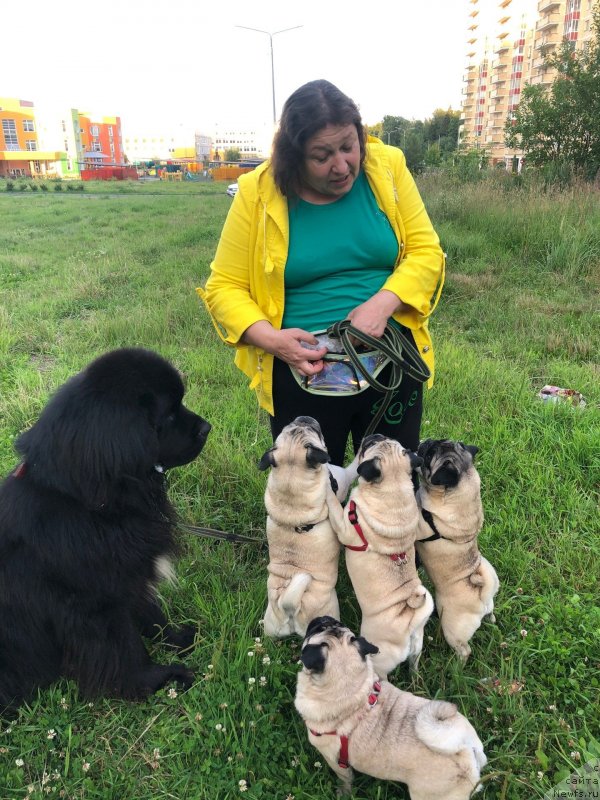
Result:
x=21 y=153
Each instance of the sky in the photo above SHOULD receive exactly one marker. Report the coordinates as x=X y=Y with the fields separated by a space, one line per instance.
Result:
x=185 y=63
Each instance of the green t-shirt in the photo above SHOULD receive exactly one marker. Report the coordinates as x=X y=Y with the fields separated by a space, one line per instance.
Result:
x=340 y=254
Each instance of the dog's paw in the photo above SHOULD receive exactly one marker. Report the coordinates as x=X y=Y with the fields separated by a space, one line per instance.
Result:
x=155 y=676
x=181 y=638
x=417 y=598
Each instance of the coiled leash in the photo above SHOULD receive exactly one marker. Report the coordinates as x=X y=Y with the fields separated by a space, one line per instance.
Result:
x=393 y=344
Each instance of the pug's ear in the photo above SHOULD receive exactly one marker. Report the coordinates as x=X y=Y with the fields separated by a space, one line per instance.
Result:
x=316 y=456
x=364 y=647
x=472 y=449
x=313 y=657
x=447 y=476
x=267 y=460
x=424 y=446
x=415 y=460
x=369 y=470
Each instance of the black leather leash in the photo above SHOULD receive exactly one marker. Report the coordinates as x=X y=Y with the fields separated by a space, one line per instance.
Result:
x=212 y=533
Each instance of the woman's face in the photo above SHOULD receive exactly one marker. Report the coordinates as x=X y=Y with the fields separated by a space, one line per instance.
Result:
x=331 y=163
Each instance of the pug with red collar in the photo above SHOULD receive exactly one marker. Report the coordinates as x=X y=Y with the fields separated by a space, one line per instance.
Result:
x=357 y=721
x=378 y=528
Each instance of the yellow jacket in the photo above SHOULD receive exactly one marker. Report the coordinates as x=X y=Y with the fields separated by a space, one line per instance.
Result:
x=246 y=282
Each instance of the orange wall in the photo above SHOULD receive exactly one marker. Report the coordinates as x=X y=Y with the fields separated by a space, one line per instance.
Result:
x=22 y=136
x=85 y=123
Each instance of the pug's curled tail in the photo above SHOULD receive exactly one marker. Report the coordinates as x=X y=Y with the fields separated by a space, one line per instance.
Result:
x=291 y=597
x=441 y=728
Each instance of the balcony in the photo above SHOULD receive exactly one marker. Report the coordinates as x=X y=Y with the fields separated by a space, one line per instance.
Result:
x=499 y=64
x=548 y=22
x=497 y=94
x=546 y=45
x=502 y=47
x=498 y=79
x=548 y=6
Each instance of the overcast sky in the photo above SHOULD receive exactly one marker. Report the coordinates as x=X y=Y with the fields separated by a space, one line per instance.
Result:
x=185 y=60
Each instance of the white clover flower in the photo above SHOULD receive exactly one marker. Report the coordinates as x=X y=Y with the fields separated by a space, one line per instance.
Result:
x=218 y=726
x=51 y=734
x=250 y=653
x=266 y=660
x=172 y=693
x=257 y=640
x=523 y=632
x=251 y=681
x=318 y=764
x=156 y=753
x=263 y=680
x=85 y=766
x=243 y=785
x=19 y=762
x=210 y=666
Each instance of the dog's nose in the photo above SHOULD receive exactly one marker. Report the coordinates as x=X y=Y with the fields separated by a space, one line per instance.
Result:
x=204 y=429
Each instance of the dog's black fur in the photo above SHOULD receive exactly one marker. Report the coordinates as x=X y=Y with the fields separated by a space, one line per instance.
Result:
x=84 y=522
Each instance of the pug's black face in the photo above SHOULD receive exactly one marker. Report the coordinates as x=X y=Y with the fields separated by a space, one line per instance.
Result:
x=445 y=461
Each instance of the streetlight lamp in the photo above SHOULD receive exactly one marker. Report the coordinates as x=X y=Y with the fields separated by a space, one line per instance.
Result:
x=271 y=35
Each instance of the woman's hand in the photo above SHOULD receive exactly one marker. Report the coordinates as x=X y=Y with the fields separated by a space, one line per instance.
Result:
x=371 y=317
x=286 y=344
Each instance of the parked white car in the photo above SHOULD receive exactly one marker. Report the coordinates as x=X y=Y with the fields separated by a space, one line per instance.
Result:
x=232 y=189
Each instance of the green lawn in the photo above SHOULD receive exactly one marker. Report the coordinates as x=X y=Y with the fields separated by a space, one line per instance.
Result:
x=81 y=273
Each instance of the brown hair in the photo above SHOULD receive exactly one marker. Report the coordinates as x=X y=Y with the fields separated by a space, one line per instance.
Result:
x=308 y=110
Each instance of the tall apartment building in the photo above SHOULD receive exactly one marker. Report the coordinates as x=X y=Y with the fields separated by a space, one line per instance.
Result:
x=507 y=41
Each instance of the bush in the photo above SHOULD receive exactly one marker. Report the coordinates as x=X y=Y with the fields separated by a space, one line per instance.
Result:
x=44 y=186
x=58 y=186
x=80 y=187
x=22 y=187
x=70 y=187
x=34 y=187
x=10 y=186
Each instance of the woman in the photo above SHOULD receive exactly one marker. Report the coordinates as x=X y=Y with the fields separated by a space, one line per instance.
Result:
x=331 y=227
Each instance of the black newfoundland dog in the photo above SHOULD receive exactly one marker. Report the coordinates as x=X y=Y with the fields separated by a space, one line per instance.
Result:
x=86 y=532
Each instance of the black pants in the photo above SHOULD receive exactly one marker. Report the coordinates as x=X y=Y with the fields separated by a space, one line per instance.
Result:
x=340 y=417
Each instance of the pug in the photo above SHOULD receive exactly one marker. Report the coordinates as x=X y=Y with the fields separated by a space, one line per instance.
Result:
x=359 y=722
x=378 y=528
x=303 y=549
x=452 y=516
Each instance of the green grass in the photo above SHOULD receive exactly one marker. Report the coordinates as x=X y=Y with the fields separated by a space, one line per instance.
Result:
x=81 y=273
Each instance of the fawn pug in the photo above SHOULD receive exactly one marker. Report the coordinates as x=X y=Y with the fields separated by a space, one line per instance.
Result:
x=452 y=516
x=303 y=549
x=378 y=528
x=356 y=721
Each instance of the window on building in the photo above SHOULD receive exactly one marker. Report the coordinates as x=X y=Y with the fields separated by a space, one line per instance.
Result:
x=9 y=129
x=28 y=125
x=96 y=147
x=64 y=126
x=30 y=144
x=66 y=143
x=94 y=130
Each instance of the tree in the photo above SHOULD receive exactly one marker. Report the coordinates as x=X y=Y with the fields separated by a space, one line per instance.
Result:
x=442 y=129
x=562 y=125
x=232 y=154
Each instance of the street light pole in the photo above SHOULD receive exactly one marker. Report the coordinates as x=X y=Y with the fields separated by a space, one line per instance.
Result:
x=395 y=130
x=271 y=35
